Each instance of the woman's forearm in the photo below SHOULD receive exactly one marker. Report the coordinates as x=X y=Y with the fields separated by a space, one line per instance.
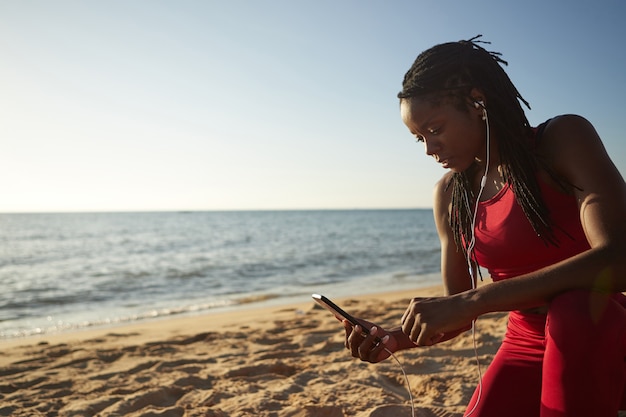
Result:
x=599 y=269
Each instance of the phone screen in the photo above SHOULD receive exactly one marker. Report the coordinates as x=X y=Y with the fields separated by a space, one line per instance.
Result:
x=337 y=311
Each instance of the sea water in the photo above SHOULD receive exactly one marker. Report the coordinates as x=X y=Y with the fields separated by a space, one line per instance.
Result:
x=69 y=271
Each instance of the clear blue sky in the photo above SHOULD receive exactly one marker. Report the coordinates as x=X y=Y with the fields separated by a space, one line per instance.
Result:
x=281 y=104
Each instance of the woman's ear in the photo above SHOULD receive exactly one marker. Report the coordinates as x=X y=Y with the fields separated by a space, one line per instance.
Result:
x=477 y=96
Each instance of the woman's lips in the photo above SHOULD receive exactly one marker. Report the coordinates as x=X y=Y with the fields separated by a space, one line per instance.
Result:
x=442 y=160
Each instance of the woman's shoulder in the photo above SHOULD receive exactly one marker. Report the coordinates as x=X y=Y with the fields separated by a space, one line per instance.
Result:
x=443 y=187
x=442 y=193
x=564 y=128
x=568 y=142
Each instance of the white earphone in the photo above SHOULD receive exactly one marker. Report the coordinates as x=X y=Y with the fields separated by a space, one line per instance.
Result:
x=470 y=248
x=478 y=104
x=483 y=181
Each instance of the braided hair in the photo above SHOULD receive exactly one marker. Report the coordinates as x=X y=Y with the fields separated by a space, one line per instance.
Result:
x=450 y=71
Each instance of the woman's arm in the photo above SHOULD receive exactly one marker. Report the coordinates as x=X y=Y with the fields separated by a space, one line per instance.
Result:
x=454 y=267
x=575 y=151
x=438 y=319
x=455 y=277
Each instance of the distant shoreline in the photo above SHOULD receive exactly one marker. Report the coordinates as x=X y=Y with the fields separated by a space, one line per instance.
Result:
x=183 y=211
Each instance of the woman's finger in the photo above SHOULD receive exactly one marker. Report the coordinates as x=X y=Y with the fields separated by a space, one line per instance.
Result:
x=370 y=344
x=355 y=340
x=416 y=329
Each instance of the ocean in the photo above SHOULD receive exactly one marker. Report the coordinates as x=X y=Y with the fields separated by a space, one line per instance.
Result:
x=62 y=272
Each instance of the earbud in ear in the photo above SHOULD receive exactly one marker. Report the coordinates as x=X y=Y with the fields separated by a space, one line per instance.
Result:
x=478 y=104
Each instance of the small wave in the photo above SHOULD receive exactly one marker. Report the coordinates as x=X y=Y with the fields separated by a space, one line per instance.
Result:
x=256 y=298
x=59 y=326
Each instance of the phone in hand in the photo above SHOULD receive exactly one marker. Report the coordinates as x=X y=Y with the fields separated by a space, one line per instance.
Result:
x=338 y=311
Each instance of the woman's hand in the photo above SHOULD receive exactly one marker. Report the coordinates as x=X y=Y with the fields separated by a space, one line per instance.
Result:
x=428 y=320
x=373 y=347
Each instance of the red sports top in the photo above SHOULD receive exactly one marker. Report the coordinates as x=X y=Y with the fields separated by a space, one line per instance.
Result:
x=506 y=243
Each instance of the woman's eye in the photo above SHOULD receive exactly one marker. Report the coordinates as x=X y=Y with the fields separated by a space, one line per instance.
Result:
x=420 y=138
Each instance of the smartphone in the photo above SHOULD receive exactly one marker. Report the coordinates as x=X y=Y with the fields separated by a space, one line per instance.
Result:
x=337 y=311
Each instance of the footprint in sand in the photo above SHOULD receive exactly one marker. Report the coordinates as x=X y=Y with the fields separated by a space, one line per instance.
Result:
x=160 y=397
x=278 y=368
x=405 y=411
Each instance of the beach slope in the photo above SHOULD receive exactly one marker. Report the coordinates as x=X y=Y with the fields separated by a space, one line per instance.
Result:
x=286 y=360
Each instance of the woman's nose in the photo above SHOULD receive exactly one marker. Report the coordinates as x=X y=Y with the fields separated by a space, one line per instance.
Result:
x=431 y=146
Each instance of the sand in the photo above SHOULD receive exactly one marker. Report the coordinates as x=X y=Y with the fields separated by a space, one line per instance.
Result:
x=285 y=360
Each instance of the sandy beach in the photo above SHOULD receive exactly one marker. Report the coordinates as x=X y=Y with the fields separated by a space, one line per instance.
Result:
x=285 y=360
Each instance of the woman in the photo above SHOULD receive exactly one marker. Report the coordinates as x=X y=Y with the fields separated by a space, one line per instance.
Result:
x=543 y=209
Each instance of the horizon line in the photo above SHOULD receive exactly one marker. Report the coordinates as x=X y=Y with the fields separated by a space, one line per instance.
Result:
x=211 y=210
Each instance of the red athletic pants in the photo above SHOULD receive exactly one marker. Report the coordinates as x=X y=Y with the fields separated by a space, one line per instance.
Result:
x=568 y=363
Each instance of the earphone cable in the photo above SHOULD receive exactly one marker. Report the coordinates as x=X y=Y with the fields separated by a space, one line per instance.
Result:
x=406 y=379
x=470 y=250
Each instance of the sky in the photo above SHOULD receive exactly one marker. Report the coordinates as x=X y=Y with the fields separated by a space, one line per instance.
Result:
x=150 y=105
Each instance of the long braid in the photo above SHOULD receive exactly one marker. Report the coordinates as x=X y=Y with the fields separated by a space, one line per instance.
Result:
x=451 y=71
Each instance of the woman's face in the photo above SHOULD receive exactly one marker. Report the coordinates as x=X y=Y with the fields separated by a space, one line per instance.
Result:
x=455 y=138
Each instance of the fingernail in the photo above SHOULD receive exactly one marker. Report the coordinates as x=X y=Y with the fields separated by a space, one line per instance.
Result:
x=385 y=339
x=373 y=330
